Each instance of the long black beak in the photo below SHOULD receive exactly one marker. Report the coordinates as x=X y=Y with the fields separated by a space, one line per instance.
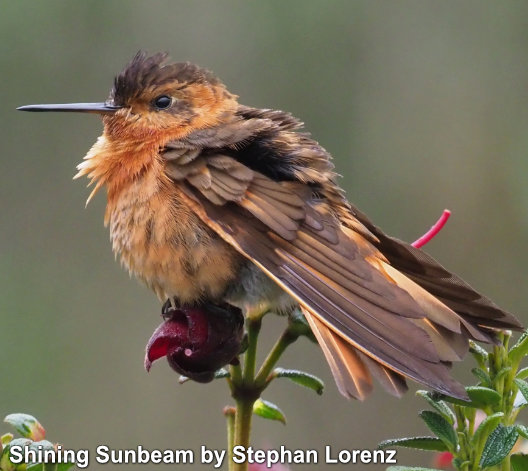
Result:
x=99 y=108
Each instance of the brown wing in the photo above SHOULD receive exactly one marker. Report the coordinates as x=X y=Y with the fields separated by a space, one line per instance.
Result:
x=335 y=274
x=474 y=308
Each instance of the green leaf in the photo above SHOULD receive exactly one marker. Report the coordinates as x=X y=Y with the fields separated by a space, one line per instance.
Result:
x=485 y=427
x=36 y=467
x=219 y=374
x=519 y=401
x=439 y=405
x=6 y=438
x=64 y=466
x=441 y=428
x=519 y=462
x=479 y=396
x=409 y=468
x=477 y=351
x=300 y=377
x=43 y=445
x=499 y=444
x=298 y=325
x=19 y=442
x=419 y=443
x=26 y=425
x=523 y=387
x=522 y=374
x=268 y=410
x=482 y=376
x=522 y=430
x=520 y=349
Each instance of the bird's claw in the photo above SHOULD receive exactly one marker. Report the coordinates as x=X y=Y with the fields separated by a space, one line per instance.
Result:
x=168 y=308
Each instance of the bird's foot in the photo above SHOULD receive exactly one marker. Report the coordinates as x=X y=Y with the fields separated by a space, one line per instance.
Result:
x=168 y=308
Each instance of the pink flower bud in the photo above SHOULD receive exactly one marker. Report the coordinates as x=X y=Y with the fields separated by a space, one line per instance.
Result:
x=443 y=460
x=197 y=340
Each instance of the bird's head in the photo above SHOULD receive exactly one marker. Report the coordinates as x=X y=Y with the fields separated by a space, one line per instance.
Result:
x=151 y=103
x=155 y=100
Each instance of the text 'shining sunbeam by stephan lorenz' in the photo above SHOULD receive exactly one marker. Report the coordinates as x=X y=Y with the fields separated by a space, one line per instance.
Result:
x=140 y=455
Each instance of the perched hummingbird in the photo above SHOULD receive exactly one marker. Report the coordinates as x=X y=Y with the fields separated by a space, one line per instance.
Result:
x=210 y=201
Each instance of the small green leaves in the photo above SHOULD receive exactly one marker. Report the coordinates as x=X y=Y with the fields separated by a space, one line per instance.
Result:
x=268 y=410
x=5 y=462
x=418 y=443
x=519 y=462
x=33 y=433
x=300 y=377
x=439 y=405
x=27 y=426
x=484 y=433
x=520 y=349
x=441 y=428
x=499 y=444
x=485 y=427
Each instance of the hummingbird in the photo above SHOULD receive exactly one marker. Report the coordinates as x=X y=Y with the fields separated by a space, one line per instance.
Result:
x=211 y=201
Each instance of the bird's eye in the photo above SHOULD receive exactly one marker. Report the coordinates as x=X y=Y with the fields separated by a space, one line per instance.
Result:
x=162 y=102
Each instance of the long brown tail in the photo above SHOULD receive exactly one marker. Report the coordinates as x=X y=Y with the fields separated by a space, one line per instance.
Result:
x=454 y=312
x=351 y=368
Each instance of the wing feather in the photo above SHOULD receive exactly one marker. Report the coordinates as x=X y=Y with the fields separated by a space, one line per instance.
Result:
x=366 y=313
x=350 y=373
x=337 y=312
x=391 y=381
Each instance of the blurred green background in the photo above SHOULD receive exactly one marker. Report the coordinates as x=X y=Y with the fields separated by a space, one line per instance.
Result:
x=423 y=104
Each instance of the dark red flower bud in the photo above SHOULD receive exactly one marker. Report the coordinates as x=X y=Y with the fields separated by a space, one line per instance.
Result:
x=197 y=340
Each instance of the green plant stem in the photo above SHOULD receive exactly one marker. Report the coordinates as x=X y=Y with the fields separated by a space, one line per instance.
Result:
x=244 y=391
x=235 y=376
x=230 y=413
x=285 y=340
x=253 y=327
x=244 y=413
x=246 y=387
